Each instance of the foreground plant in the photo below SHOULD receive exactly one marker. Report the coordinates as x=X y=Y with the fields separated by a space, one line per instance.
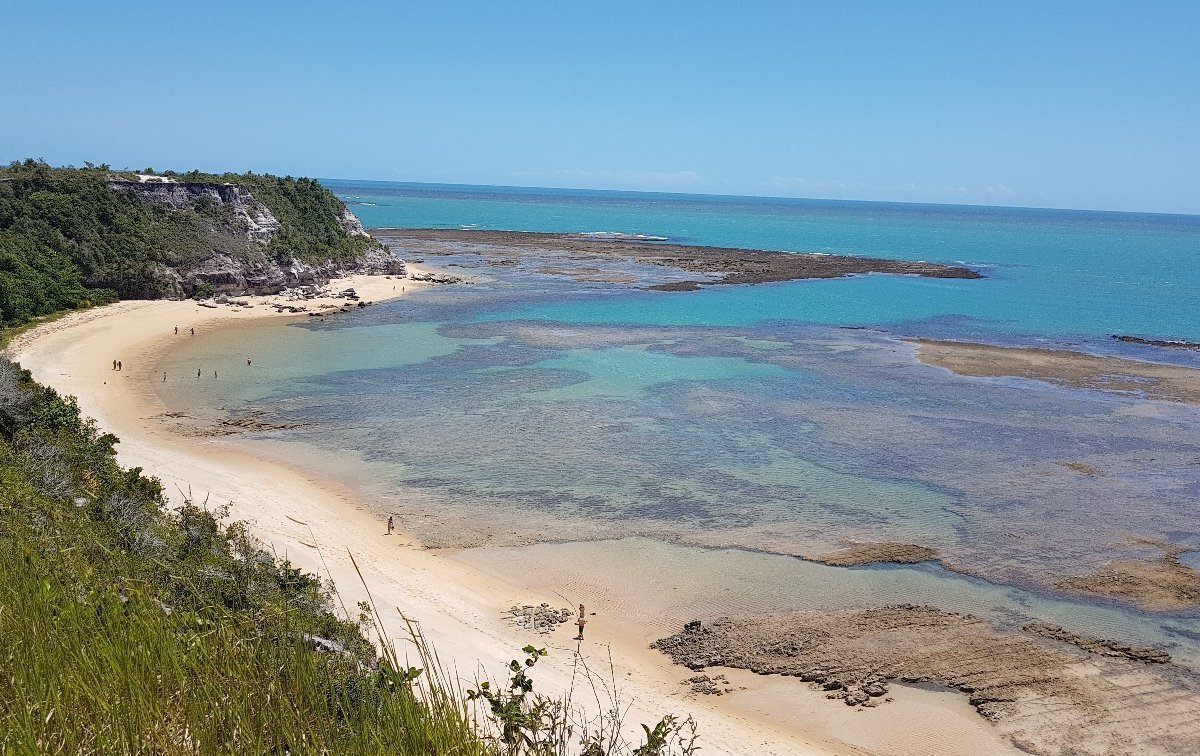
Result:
x=526 y=723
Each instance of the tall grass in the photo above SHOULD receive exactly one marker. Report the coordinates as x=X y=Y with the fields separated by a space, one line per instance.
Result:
x=93 y=668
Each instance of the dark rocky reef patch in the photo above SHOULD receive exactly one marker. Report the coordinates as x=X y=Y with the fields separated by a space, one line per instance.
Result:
x=721 y=265
x=1164 y=343
x=877 y=553
x=1161 y=584
x=1099 y=645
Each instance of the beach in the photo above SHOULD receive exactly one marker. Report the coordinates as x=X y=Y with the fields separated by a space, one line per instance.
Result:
x=319 y=525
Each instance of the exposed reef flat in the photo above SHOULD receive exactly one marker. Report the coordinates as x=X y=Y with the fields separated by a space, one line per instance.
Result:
x=1164 y=343
x=875 y=553
x=1048 y=691
x=1150 y=380
x=1161 y=584
x=718 y=265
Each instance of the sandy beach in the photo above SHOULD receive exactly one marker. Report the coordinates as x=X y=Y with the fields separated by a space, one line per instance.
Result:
x=459 y=607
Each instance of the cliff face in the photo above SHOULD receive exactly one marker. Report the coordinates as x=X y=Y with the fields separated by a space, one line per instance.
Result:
x=242 y=228
x=74 y=237
x=260 y=224
x=245 y=267
x=229 y=275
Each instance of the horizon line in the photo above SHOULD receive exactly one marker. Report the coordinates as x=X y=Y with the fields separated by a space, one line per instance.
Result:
x=762 y=196
x=695 y=194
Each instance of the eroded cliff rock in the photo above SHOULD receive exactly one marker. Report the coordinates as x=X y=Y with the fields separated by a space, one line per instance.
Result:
x=260 y=224
x=239 y=257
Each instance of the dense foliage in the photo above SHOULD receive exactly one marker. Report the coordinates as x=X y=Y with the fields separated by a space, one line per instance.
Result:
x=68 y=239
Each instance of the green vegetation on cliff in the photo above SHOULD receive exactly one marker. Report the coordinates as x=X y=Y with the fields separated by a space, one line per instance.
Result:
x=310 y=215
x=68 y=239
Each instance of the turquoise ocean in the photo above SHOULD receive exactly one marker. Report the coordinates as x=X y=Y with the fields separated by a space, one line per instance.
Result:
x=713 y=436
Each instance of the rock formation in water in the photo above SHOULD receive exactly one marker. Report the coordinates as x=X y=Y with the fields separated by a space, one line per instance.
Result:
x=1048 y=690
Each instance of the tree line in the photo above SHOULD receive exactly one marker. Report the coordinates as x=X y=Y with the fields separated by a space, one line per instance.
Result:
x=68 y=240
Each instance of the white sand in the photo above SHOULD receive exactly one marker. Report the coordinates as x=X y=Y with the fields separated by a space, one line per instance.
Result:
x=317 y=526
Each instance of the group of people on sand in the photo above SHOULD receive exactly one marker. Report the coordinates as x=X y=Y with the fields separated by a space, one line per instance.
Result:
x=116 y=364
x=199 y=372
x=580 y=621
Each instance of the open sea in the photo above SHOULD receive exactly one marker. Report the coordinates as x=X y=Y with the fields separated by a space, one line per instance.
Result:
x=555 y=431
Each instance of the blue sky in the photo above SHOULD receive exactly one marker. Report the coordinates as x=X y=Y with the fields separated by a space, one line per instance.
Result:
x=1081 y=104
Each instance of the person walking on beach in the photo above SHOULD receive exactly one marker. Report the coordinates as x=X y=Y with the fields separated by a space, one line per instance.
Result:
x=193 y=331
x=247 y=360
x=114 y=364
x=197 y=372
x=580 y=623
x=164 y=376
x=118 y=366
x=176 y=330
x=391 y=524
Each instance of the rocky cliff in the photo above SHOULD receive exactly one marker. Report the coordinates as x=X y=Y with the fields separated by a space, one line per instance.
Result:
x=238 y=256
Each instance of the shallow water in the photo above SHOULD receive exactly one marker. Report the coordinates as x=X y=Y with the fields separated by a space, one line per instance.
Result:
x=533 y=409
x=690 y=583
x=1058 y=273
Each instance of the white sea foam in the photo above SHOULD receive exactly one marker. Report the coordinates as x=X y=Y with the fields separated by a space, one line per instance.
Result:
x=619 y=235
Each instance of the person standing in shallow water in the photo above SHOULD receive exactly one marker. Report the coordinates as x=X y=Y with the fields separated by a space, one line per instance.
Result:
x=580 y=623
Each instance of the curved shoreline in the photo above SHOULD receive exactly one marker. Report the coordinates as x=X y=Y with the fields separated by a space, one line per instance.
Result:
x=316 y=522
x=317 y=525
